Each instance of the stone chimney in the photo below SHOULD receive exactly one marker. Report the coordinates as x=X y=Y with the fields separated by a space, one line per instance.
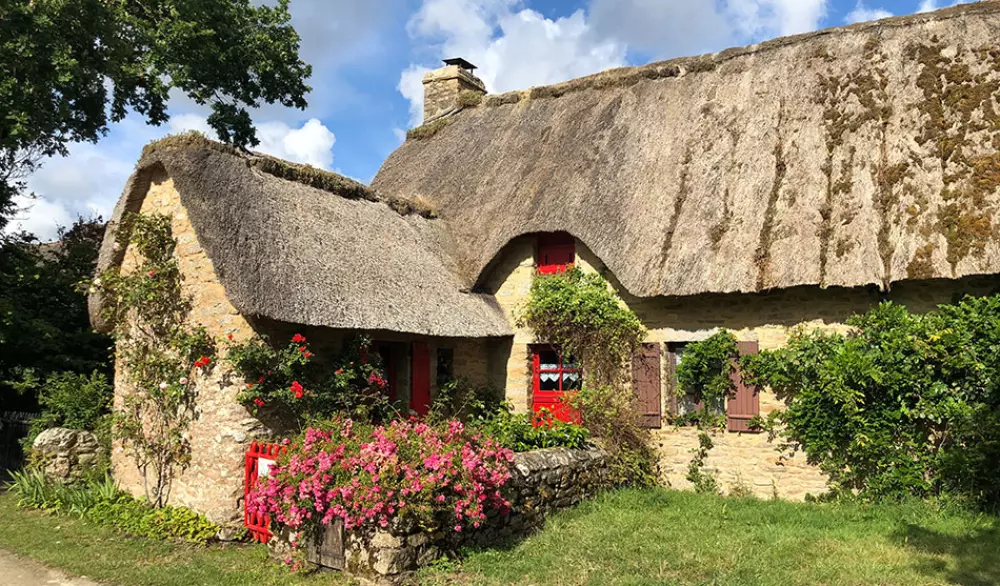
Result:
x=444 y=87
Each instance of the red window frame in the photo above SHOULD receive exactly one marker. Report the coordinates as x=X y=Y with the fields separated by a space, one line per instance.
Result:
x=552 y=399
x=555 y=253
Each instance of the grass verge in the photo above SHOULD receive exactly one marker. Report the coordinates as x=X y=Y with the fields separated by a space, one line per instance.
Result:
x=102 y=554
x=669 y=537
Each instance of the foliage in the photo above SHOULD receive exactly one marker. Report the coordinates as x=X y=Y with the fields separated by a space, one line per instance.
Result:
x=44 y=325
x=703 y=482
x=706 y=372
x=907 y=405
x=100 y=501
x=71 y=400
x=35 y=491
x=464 y=400
x=160 y=355
x=74 y=65
x=287 y=381
x=523 y=432
x=609 y=414
x=578 y=312
x=370 y=476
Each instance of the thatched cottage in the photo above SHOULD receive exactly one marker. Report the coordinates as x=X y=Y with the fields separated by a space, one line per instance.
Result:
x=786 y=184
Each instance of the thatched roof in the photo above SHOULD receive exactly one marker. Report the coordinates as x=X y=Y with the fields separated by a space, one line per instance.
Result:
x=853 y=156
x=299 y=245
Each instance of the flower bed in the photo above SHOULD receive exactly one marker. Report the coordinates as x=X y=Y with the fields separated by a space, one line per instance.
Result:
x=366 y=477
x=385 y=500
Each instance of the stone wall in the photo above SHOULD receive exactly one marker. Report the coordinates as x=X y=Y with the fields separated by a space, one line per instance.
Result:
x=768 y=318
x=542 y=482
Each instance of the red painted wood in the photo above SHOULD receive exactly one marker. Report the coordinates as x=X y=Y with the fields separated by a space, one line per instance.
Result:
x=549 y=394
x=556 y=253
x=420 y=378
x=646 y=384
x=259 y=526
x=744 y=405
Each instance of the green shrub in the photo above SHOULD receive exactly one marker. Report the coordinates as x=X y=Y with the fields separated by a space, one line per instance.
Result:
x=907 y=405
x=99 y=500
x=579 y=313
x=71 y=400
x=703 y=482
x=137 y=518
x=609 y=414
x=523 y=432
x=706 y=372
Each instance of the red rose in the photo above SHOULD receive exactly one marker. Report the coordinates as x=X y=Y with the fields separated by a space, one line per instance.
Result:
x=150 y=274
x=307 y=354
x=258 y=402
x=260 y=380
x=249 y=385
x=339 y=371
x=230 y=336
x=297 y=389
x=302 y=349
x=298 y=338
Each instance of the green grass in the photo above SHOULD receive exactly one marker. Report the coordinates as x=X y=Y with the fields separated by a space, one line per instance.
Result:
x=69 y=543
x=667 y=537
x=628 y=537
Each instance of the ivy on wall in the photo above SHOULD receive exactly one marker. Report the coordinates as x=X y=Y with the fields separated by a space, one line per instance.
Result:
x=160 y=355
x=579 y=312
x=706 y=373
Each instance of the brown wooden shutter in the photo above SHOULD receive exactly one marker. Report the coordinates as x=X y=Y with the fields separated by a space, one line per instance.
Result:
x=646 y=385
x=744 y=405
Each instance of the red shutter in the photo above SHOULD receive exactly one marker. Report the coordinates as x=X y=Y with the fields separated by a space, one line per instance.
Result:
x=420 y=378
x=744 y=405
x=646 y=385
x=555 y=253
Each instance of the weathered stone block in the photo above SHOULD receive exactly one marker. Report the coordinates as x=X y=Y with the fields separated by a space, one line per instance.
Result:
x=66 y=454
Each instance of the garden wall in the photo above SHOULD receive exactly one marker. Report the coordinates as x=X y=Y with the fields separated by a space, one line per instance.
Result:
x=542 y=482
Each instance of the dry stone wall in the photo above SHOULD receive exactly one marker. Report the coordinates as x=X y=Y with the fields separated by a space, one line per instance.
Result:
x=543 y=482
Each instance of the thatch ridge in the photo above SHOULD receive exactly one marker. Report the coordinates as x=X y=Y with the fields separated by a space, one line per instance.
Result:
x=622 y=77
x=856 y=156
x=286 y=250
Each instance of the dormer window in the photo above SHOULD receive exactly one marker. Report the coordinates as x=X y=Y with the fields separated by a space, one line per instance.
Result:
x=556 y=253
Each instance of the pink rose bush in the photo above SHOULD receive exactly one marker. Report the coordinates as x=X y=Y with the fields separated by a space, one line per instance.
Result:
x=370 y=476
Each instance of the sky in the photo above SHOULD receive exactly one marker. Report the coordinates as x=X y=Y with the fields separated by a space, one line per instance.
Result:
x=369 y=57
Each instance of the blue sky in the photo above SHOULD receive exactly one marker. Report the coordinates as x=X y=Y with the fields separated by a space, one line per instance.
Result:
x=369 y=56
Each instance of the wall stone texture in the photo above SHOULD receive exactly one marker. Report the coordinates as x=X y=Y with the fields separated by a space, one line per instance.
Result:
x=442 y=88
x=65 y=454
x=542 y=482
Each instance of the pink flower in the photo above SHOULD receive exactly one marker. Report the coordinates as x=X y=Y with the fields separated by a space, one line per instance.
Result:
x=184 y=380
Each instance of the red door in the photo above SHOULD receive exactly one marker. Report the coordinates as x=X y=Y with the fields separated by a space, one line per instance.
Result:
x=420 y=379
x=554 y=375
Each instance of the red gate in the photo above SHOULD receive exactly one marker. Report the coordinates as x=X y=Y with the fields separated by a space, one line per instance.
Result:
x=260 y=457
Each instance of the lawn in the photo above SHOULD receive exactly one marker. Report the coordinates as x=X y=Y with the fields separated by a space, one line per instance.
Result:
x=628 y=537
x=668 y=537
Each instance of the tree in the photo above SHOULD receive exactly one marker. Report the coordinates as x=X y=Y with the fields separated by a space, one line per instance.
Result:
x=44 y=326
x=69 y=67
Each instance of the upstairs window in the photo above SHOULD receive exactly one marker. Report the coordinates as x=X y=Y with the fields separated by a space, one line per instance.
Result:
x=555 y=254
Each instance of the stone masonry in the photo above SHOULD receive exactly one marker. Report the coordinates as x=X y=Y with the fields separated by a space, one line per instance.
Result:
x=66 y=454
x=442 y=88
x=542 y=482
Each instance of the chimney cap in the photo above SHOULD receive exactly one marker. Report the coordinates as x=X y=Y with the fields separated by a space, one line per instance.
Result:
x=461 y=63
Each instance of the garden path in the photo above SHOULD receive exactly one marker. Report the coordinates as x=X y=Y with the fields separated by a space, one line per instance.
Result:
x=18 y=571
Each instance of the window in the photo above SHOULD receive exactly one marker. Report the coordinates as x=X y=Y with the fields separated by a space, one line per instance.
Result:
x=553 y=375
x=445 y=366
x=556 y=253
x=741 y=407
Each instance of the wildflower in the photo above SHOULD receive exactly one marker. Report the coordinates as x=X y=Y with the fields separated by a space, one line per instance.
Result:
x=258 y=402
x=151 y=274
x=163 y=386
x=298 y=338
x=184 y=380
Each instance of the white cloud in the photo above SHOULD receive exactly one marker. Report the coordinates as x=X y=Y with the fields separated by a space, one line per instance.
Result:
x=514 y=48
x=311 y=144
x=862 y=13
x=931 y=5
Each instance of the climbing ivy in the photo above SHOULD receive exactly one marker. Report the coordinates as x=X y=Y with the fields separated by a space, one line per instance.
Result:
x=706 y=372
x=580 y=313
x=159 y=354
